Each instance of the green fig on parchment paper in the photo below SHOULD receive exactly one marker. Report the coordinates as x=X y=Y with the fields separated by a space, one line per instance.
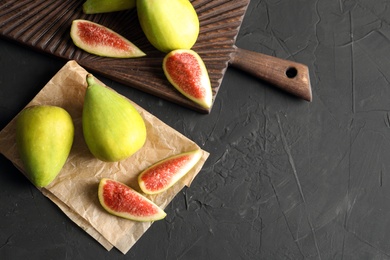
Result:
x=44 y=137
x=113 y=128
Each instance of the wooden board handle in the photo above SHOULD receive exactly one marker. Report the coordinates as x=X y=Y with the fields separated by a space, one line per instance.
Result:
x=287 y=75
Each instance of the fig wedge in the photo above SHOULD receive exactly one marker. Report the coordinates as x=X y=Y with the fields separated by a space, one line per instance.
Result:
x=120 y=200
x=102 y=41
x=186 y=71
x=164 y=174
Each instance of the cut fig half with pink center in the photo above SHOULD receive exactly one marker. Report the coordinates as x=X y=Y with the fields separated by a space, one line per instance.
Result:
x=120 y=200
x=164 y=174
x=186 y=71
x=102 y=41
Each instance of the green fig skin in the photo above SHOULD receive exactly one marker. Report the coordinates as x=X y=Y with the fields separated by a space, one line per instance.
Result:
x=44 y=137
x=112 y=127
x=107 y=6
x=169 y=25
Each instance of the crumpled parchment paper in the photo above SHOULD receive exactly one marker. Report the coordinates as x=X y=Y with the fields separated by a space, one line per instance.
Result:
x=74 y=190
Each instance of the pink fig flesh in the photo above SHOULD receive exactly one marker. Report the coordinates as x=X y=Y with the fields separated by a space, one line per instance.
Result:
x=186 y=71
x=120 y=200
x=102 y=41
x=165 y=173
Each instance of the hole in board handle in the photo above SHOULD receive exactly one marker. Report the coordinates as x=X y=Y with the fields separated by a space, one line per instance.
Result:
x=291 y=72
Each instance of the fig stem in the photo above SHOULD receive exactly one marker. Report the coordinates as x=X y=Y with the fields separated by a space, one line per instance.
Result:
x=90 y=80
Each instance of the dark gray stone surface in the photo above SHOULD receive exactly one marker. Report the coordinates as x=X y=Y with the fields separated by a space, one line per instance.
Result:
x=286 y=179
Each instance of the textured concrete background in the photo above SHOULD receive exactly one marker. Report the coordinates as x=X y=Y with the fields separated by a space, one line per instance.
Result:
x=286 y=179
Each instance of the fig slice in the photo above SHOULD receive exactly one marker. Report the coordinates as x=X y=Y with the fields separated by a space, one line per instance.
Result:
x=120 y=200
x=102 y=41
x=165 y=173
x=186 y=71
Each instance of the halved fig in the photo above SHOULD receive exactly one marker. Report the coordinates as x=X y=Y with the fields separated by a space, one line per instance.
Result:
x=186 y=71
x=120 y=200
x=165 y=173
x=102 y=41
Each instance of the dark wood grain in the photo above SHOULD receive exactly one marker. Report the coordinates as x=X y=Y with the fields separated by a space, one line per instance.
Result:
x=44 y=25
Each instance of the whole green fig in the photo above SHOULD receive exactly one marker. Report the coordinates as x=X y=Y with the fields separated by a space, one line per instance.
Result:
x=44 y=137
x=107 y=6
x=169 y=24
x=113 y=129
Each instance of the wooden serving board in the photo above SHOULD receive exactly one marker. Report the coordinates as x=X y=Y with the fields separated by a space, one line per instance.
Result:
x=44 y=25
